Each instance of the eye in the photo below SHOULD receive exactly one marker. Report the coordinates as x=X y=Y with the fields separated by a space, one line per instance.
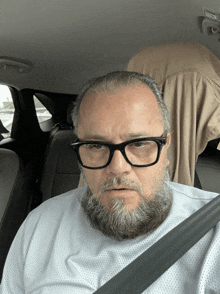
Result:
x=140 y=144
x=94 y=146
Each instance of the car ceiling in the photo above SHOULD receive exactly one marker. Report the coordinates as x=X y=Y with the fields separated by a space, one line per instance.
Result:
x=65 y=43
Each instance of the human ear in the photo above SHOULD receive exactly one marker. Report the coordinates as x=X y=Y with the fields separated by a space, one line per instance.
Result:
x=167 y=146
x=168 y=140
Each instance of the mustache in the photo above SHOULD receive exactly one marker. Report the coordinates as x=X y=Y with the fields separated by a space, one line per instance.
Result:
x=120 y=181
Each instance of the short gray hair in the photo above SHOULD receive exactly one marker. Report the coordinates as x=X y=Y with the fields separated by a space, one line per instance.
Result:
x=117 y=80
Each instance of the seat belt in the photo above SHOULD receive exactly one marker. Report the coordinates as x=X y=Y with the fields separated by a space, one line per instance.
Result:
x=150 y=265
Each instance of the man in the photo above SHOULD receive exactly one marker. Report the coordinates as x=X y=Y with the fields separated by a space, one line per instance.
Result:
x=76 y=242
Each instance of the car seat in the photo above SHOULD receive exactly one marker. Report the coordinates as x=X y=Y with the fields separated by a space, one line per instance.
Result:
x=208 y=170
x=13 y=200
x=61 y=171
x=189 y=77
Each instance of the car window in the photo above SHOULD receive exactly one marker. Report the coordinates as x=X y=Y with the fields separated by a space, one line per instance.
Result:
x=42 y=113
x=6 y=112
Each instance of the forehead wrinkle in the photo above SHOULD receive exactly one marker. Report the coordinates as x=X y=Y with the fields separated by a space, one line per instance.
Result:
x=92 y=103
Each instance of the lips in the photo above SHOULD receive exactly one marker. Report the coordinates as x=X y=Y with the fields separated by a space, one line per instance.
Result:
x=118 y=188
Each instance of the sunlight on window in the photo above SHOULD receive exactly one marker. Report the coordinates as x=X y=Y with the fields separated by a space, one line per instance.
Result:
x=6 y=112
x=42 y=113
x=5 y=95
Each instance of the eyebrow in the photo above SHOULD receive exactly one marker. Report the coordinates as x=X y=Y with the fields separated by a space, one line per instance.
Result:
x=139 y=135
x=127 y=137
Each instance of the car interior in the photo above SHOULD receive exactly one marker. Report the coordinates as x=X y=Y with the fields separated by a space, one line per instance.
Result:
x=48 y=51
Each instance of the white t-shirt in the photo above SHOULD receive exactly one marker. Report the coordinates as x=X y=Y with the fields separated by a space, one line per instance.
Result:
x=57 y=251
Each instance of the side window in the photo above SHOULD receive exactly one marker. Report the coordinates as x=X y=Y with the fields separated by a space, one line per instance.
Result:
x=6 y=112
x=42 y=113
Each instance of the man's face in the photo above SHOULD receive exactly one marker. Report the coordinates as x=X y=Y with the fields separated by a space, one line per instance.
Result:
x=116 y=117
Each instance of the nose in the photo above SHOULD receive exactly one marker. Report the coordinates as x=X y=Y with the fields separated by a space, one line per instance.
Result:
x=118 y=165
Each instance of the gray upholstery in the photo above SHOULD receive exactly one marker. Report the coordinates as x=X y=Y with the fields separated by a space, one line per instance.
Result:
x=13 y=200
x=61 y=172
x=9 y=167
x=208 y=170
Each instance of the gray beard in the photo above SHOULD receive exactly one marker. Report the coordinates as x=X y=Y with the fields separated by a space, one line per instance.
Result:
x=121 y=223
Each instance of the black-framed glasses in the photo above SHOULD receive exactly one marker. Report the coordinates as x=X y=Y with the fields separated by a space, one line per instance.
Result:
x=141 y=152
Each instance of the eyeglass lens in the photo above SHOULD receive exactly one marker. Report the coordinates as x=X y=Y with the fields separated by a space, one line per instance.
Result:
x=138 y=153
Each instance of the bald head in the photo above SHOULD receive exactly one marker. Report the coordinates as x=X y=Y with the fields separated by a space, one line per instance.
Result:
x=120 y=81
x=125 y=111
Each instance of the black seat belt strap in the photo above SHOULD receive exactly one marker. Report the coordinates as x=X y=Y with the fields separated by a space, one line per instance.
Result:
x=150 y=265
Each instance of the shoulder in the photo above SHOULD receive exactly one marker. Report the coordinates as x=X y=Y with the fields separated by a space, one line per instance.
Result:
x=189 y=198
x=62 y=200
x=186 y=201
x=192 y=192
x=54 y=209
x=53 y=215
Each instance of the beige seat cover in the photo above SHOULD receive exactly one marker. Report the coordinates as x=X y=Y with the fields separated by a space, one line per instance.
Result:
x=189 y=78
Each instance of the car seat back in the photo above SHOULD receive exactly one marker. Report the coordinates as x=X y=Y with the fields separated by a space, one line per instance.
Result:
x=13 y=200
x=208 y=170
x=61 y=171
x=9 y=167
x=189 y=77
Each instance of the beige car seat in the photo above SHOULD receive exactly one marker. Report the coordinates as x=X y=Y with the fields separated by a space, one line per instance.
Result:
x=189 y=77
